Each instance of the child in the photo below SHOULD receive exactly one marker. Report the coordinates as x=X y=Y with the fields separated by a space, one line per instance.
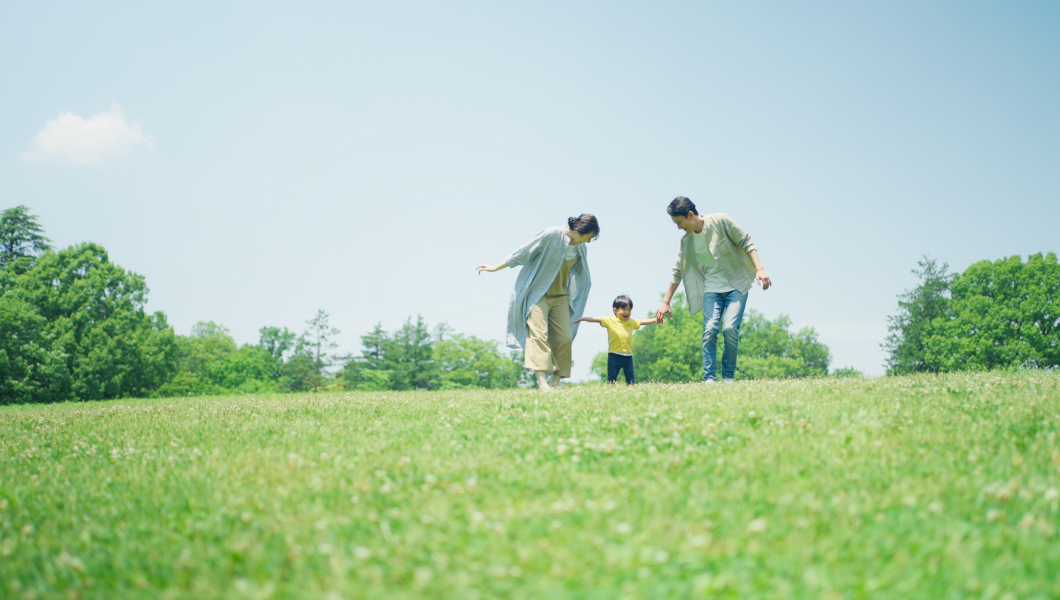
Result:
x=620 y=338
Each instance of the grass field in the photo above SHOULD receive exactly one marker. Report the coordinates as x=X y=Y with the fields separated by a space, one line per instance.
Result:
x=923 y=487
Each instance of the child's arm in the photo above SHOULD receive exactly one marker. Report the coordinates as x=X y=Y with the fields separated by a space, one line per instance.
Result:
x=589 y=320
x=651 y=321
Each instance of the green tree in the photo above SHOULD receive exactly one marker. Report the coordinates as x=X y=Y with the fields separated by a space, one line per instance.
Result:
x=673 y=352
x=402 y=361
x=768 y=350
x=95 y=317
x=210 y=363
x=276 y=341
x=414 y=358
x=1004 y=313
x=301 y=373
x=248 y=370
x=419 y=370
x=318 y=340
x=21 y=238
x=917 y=309
x=847 y=373
x=468 y=362
x=31 y=368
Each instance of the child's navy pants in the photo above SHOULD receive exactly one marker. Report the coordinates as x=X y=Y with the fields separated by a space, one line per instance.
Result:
x=619 y=362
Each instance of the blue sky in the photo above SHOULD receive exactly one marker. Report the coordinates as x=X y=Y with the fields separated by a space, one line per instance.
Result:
x=258 y=161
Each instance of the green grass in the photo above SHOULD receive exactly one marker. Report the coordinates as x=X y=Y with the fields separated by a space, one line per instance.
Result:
x=920 y=487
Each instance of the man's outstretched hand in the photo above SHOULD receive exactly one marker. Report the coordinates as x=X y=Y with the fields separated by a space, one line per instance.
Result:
x=664 y=310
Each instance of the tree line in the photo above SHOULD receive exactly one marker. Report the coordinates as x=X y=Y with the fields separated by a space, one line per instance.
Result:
x=73 y=326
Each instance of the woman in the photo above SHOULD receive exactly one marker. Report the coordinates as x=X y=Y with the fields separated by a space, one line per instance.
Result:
x=550 y=292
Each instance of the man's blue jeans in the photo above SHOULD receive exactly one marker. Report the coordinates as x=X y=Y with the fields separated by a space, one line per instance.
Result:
x=725 y=309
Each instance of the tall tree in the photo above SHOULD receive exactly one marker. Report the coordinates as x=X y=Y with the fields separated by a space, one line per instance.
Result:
x=419 y=370
x=318 y=339
x=21 y=237
x=917 y=308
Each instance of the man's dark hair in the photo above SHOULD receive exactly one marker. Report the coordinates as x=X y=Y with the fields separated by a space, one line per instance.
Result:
x=622 y=301
x=680 y=207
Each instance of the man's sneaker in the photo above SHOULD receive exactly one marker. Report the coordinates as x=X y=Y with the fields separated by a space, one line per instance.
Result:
x=710 y=381
x=727 y=380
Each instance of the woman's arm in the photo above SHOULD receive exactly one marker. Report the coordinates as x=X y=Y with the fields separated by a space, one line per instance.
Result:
x=524 y=253
x=588 y=320
x=489 y=269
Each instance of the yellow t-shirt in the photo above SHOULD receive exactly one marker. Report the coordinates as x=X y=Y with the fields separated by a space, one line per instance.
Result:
x=619 y=334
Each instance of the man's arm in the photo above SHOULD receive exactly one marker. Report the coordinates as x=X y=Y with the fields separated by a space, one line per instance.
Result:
x=588 y=320
x=741 y=238
x=664 y=308
x=760 y=271
x=675 y=280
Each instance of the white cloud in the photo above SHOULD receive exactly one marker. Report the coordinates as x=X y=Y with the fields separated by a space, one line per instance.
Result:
x=75 y=139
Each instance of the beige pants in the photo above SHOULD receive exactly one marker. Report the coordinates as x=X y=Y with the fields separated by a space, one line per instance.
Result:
x=549 y=338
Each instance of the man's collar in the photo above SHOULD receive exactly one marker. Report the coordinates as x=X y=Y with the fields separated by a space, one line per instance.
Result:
x=704 y=224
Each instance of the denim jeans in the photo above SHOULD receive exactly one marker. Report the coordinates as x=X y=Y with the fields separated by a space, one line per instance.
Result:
x=616 y=363
x=724 y=308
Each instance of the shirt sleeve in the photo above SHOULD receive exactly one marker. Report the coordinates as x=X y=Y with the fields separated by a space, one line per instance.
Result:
x=636 y=323
x=524 y=253
x=603 y=322
x=676 y=275
x=737 y=234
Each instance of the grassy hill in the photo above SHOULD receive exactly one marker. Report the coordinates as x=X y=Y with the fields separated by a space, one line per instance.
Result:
x=918 y=487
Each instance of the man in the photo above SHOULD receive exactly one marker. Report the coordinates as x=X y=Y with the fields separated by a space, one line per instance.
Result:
x=718 y=263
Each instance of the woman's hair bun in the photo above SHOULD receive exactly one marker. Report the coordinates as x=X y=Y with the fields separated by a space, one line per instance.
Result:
x=585 y=223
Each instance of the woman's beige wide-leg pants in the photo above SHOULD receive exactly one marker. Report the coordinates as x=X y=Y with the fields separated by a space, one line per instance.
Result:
x=548 y=339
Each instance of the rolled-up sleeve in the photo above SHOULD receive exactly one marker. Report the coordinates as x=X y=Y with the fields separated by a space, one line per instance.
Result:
x=522 y=255
x=738 y=235
x=677 y=275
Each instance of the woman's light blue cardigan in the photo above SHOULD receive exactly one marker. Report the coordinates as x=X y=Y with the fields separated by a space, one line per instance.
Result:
x=541 y=260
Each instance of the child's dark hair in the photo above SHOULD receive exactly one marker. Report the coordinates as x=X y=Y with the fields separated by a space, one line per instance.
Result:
x=680 y=207
x=583 y=224
x=623 y=301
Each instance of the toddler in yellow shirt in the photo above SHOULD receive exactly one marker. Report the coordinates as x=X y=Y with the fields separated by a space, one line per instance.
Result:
x=620 y=338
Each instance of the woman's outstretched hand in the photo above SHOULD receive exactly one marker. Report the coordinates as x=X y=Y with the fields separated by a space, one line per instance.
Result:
x=490 y=269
